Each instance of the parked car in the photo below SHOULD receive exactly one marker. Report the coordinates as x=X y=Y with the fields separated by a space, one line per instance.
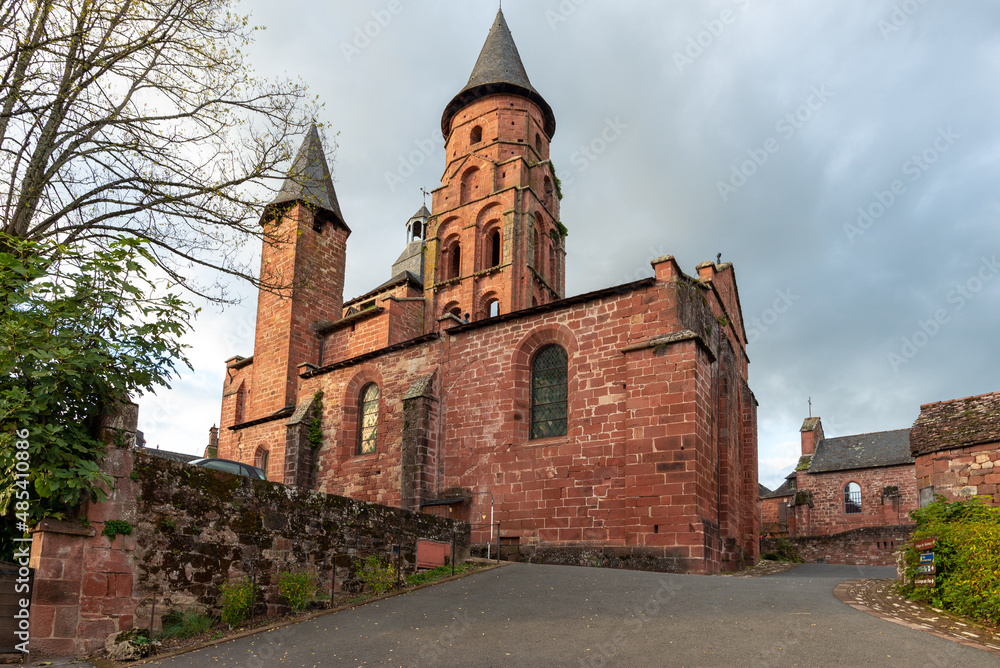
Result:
x=239 y=468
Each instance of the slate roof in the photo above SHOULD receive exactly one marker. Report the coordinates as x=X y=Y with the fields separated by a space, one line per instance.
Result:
x=498 y=70
x=861 y=451
x=398 y=279
x=784 y=490
x=166 y=454
x=422 y=212
x=761 y=490
x=309 y=180
x=958 y=423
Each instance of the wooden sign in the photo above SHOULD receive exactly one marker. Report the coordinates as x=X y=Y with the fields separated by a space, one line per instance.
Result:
x=926 y=581
x=927 y=557
x=927 y=569
x=925 y=543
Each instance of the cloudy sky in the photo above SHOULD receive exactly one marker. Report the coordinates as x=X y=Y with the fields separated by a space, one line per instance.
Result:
x=843 y=155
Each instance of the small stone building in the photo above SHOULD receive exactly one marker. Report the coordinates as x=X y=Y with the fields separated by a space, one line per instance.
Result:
x=956 y=445
x=849 y=498
x=775 y=507
x=613 y=427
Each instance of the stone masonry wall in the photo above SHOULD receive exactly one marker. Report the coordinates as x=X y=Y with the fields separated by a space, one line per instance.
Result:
x=827 y=515
x=194 y=529
x=962 y=473
x=198 y=529
x=870 y=546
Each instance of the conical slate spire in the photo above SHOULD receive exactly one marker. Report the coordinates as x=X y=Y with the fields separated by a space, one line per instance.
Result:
x=498 y=70
x=309 y=180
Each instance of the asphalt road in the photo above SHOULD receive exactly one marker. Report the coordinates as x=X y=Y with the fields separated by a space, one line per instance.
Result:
x=532 y=615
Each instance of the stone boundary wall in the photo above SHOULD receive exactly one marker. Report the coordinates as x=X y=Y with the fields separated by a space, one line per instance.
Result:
x=868 y=546
x=194 y=529
x=198 y=529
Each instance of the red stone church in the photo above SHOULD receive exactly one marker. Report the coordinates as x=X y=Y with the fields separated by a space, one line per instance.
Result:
x=613 y=427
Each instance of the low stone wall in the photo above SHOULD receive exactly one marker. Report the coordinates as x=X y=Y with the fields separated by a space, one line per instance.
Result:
x=193 y=530
x=869 y=546
x=198 y=529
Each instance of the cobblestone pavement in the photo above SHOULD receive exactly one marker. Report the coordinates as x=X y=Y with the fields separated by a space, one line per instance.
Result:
x=879 y=598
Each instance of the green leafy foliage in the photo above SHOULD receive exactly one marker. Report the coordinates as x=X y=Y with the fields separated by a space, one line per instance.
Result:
x=784 y=550
x=376 y=572
x=299 y=587
x=79 y=333
x=114 y=528
x=238 y=598
x=316 y=425
x=966 y=554
x=178 y=624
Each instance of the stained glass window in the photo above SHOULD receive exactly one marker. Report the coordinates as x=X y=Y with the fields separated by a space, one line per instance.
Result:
x=548 y=393
x=368 y=424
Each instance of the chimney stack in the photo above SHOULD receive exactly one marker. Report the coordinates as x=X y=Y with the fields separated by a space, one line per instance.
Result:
x=812 y=433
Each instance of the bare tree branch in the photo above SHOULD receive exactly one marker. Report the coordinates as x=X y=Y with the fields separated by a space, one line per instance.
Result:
x=129 y=118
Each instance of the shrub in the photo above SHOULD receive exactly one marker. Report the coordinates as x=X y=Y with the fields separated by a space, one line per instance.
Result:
x=299 y=587
x=784 y=550
x=238 y=599
x=185 y=624
x=377 y=573
x=966 y=554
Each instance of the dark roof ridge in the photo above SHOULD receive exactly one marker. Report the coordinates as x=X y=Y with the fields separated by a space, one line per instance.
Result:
x=864 y=433
x=972 y=396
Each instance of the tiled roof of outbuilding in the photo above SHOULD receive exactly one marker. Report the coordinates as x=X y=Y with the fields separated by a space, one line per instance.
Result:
x=784 y=490
x=957 y=423
x=862 y=451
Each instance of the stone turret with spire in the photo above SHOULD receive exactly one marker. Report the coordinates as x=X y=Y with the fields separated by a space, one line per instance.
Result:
x=302 y=275
x=495 y=243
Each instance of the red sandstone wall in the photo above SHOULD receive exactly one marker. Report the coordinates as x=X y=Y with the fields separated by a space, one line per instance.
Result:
x=963 y=472
x=640 y=465
x=827 y=515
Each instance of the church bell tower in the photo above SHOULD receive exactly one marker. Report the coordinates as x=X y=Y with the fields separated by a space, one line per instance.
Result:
x=495 y=243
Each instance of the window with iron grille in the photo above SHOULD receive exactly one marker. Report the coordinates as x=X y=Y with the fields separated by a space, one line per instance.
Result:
x=852 y=498
x=368 y=424
x=548 y=392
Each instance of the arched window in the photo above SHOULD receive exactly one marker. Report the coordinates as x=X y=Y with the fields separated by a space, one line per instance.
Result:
x=549 y=191
x=455 y=261
x=538 y=145
x=537 y=250
x=418 y=231
x=852 y=498
x=552 y=265
x=495 y=248
x=476 y=135
x=493 y=308
x=470 y=185
x=368 y=419
x=260 y=459
x=548 y=392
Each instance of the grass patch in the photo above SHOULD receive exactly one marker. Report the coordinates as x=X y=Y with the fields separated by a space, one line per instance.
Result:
x=440 y=573
x=185 y=624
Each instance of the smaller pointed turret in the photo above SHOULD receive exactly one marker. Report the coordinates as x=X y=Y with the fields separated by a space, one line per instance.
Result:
x=308 y=179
